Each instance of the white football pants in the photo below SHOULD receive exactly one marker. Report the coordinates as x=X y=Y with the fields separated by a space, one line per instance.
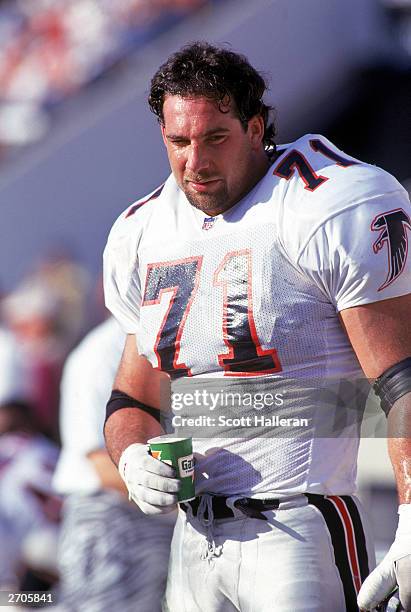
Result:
x=308 y=556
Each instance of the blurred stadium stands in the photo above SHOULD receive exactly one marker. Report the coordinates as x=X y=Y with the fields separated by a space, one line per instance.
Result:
x=50 y=49
x=78 y=144
x=104 y=149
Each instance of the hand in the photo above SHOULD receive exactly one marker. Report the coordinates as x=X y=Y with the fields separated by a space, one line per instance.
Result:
x=394 y=569
x=151 y=483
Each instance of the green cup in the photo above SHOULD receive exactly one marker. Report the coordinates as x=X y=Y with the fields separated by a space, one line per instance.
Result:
x=177 y=452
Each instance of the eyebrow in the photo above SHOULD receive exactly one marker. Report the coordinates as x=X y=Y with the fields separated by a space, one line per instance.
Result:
x=211 y=132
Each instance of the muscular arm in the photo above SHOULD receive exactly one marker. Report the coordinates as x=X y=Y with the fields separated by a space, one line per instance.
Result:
x=137 y=378
x=106 y=471
x=380 y=334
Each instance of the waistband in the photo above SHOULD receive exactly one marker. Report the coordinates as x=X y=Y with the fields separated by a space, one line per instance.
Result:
x=223 y=507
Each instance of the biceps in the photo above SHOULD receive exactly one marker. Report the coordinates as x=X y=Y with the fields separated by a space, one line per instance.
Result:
x=380 y=333
x=137 y=378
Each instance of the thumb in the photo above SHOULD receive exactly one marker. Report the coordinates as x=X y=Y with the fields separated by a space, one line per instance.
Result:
x=377 y=586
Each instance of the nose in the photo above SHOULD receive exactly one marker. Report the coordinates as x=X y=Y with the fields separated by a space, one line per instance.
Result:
x=198 y=160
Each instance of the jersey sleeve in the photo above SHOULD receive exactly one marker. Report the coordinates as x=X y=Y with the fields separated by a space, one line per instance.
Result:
x=86 y=383
x=360 y=254
x=122 y=290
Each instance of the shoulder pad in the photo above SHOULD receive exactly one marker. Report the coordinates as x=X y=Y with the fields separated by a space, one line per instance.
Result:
x=319 y=182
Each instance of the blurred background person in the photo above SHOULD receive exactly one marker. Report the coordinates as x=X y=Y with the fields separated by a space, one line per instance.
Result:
x=111 y=555
x=45 y=316
x=29 y=508
x=30 y=314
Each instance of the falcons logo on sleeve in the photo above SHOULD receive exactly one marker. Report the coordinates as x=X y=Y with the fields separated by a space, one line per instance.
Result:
x=392 y=226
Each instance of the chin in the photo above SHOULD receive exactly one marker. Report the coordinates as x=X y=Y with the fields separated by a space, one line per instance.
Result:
x=209 y=205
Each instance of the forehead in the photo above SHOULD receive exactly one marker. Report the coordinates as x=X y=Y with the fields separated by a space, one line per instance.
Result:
x=195 y=114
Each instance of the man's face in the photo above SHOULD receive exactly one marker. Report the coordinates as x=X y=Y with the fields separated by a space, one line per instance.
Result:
x=212 y=158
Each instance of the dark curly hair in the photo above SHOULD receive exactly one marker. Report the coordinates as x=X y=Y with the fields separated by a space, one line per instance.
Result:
x=200 y=69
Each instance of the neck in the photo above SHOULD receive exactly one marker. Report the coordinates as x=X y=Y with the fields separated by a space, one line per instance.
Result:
x=261 y=166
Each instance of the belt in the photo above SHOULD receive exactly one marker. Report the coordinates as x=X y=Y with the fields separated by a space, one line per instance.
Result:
x=249 y=506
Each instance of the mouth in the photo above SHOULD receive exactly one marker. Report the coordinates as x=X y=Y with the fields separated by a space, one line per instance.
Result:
x=202 y=186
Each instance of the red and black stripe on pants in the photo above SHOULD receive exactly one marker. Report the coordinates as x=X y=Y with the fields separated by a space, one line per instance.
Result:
x=342 y=517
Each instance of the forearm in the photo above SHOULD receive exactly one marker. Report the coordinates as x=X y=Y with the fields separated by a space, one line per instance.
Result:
x=106 y=471
x=399 y=446
x=127 y=426
x=137 y=379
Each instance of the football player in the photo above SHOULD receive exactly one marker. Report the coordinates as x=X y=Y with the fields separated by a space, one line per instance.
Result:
x=271 y=271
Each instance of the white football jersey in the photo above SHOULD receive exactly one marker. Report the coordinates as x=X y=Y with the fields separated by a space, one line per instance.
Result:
x=86 y=385
x=249 y=300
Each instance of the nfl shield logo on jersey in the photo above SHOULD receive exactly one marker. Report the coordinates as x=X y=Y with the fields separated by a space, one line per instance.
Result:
x=208 y=222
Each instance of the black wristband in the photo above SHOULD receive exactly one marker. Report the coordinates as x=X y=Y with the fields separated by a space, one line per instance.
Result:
x=393 y=384
x=119 y=400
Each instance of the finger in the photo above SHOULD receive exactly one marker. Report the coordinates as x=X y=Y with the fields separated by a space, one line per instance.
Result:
x=157 y=467
x=156 y=498
x=159 y=483
x=161 y=509
x=150 y=509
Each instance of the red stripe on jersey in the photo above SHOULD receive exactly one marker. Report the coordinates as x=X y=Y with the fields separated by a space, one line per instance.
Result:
x=134 y=208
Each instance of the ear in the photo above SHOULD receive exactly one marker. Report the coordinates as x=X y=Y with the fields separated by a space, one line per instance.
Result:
x=256 y=130
x=163 y=133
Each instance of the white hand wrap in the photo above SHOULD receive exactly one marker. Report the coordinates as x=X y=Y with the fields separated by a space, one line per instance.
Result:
x=394 y=569
x=151 y=483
